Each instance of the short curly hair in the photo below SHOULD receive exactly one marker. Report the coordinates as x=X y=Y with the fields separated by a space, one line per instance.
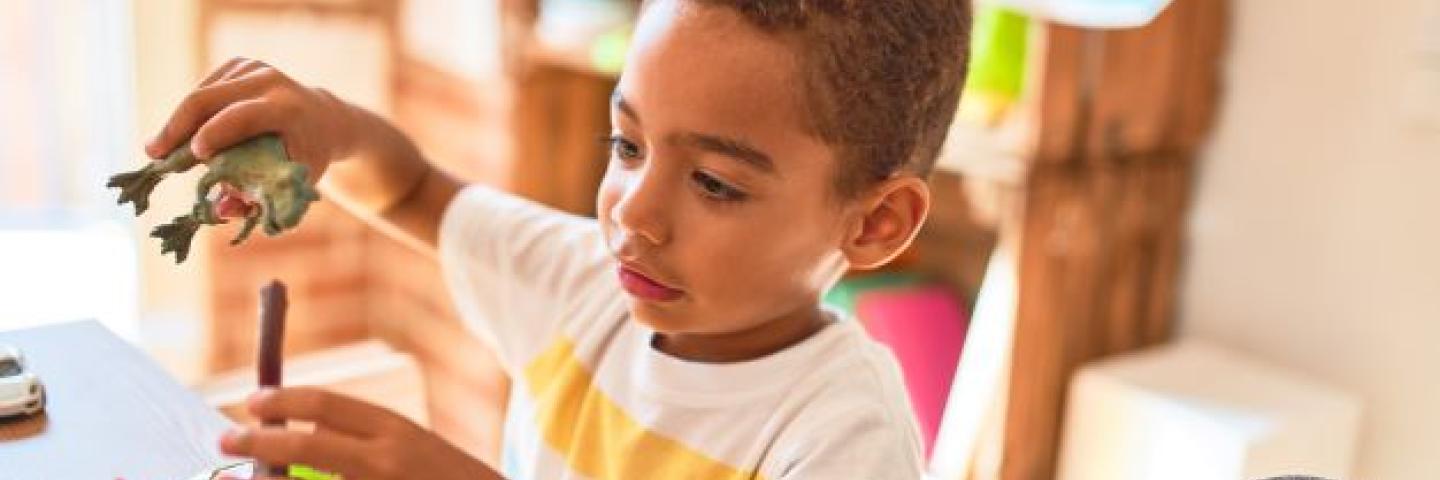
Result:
x=883 y=77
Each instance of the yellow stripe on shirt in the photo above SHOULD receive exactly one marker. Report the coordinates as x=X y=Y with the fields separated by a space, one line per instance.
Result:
x=599 y=439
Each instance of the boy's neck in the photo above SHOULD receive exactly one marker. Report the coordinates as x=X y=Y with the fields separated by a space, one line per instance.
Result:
x=765 y=339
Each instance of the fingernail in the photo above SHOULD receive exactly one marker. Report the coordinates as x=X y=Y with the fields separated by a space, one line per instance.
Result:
x=260 y=397
x=200 y=150
x=234 y=440
x=262 y=394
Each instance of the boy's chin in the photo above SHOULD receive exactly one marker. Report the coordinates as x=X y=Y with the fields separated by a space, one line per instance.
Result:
x=662 y=318
x=668 y=318
x=673 y=319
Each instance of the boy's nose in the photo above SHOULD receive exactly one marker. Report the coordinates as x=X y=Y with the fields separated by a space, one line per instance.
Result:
x=641 y=211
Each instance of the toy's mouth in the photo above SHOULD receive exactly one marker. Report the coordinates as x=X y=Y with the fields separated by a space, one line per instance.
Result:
x=234 y=203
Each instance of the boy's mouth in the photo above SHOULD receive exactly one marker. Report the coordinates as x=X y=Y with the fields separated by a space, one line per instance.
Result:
x=644 y=287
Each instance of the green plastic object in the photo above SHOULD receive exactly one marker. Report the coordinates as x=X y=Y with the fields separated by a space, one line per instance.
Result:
x=607 y=54
x=997 y=53
x=302 y=472
x=1092 y=14
x=844 y=295
x=258 y=167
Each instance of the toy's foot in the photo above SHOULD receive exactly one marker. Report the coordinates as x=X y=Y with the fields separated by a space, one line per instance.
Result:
x=135 y=187
x=176 y=236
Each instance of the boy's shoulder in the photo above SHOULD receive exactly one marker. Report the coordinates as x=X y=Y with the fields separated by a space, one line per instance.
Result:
x=858 y=369
x=848 y=376
x=857 y=412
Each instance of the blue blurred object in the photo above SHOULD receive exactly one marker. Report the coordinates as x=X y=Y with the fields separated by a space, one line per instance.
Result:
x=1099 y=14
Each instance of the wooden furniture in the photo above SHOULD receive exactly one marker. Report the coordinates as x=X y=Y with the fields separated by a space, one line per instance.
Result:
x=560 y=115
x=112 y=413
x=561 y=111
x=1094 y=195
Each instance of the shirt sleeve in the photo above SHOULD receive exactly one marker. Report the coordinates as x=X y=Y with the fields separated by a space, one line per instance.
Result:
x=863 y=445
x=515 y=268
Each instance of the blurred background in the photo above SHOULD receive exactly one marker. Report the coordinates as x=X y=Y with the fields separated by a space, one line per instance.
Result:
x=1188 y=239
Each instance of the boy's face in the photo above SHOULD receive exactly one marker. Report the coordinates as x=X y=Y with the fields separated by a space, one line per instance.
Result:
x=717 y=203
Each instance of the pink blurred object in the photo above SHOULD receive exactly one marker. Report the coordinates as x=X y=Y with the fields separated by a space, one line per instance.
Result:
x=925 y=327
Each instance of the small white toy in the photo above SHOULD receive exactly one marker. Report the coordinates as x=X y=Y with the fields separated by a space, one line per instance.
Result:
x=21 y=393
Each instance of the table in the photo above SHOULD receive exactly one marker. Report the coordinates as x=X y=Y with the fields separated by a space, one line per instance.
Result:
x=112 y=413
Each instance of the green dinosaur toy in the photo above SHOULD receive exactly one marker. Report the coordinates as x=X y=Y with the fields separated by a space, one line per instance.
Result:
x=257 y=168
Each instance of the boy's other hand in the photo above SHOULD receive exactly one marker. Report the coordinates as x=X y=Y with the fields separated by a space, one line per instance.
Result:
x=352 y=438
x=245 y=98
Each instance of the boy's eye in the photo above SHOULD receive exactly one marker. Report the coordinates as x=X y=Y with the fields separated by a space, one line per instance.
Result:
x=625 y=150
x=714 y=188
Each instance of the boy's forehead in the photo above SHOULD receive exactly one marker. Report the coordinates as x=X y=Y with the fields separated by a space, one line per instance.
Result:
x=704 y=66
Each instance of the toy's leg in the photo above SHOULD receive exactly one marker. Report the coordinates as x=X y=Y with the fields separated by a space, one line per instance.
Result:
x=135 y=187
x=272 y=224
x=176 y=236
x=204 y=210
x=251 y=219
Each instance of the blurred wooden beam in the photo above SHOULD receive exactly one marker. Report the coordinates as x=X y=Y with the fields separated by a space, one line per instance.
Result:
x=1121 y=117
x=559 y=116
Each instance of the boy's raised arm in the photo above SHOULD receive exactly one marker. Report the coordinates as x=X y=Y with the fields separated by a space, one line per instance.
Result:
x=391 y=186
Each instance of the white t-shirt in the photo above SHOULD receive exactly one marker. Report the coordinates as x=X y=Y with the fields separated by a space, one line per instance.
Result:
x=592 y=399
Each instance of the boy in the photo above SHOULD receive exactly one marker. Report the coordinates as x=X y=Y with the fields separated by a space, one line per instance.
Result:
x=760 y=149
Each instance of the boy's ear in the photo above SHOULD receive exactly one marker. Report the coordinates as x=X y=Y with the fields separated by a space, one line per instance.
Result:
x=889 y=217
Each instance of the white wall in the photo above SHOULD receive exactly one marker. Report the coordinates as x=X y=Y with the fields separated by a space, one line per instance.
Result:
x=1315 y=240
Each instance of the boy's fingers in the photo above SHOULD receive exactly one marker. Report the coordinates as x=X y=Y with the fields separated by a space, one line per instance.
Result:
x=239 y=68
x=329 y=411
x=199 y=105
x=245 y=68
x=221 y=72
x=234 y=123
x=277 y=446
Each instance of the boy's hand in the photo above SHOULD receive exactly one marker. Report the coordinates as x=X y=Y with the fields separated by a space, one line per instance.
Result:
x=246 y=98
x=384 y=178
x=355 y=439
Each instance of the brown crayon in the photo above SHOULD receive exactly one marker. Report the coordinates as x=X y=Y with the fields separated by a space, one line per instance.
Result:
x=269 y=369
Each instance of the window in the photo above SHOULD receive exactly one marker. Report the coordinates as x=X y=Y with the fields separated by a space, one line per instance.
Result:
x=66 y=252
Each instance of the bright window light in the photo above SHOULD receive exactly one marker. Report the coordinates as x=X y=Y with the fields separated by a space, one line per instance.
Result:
x=56 y=275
